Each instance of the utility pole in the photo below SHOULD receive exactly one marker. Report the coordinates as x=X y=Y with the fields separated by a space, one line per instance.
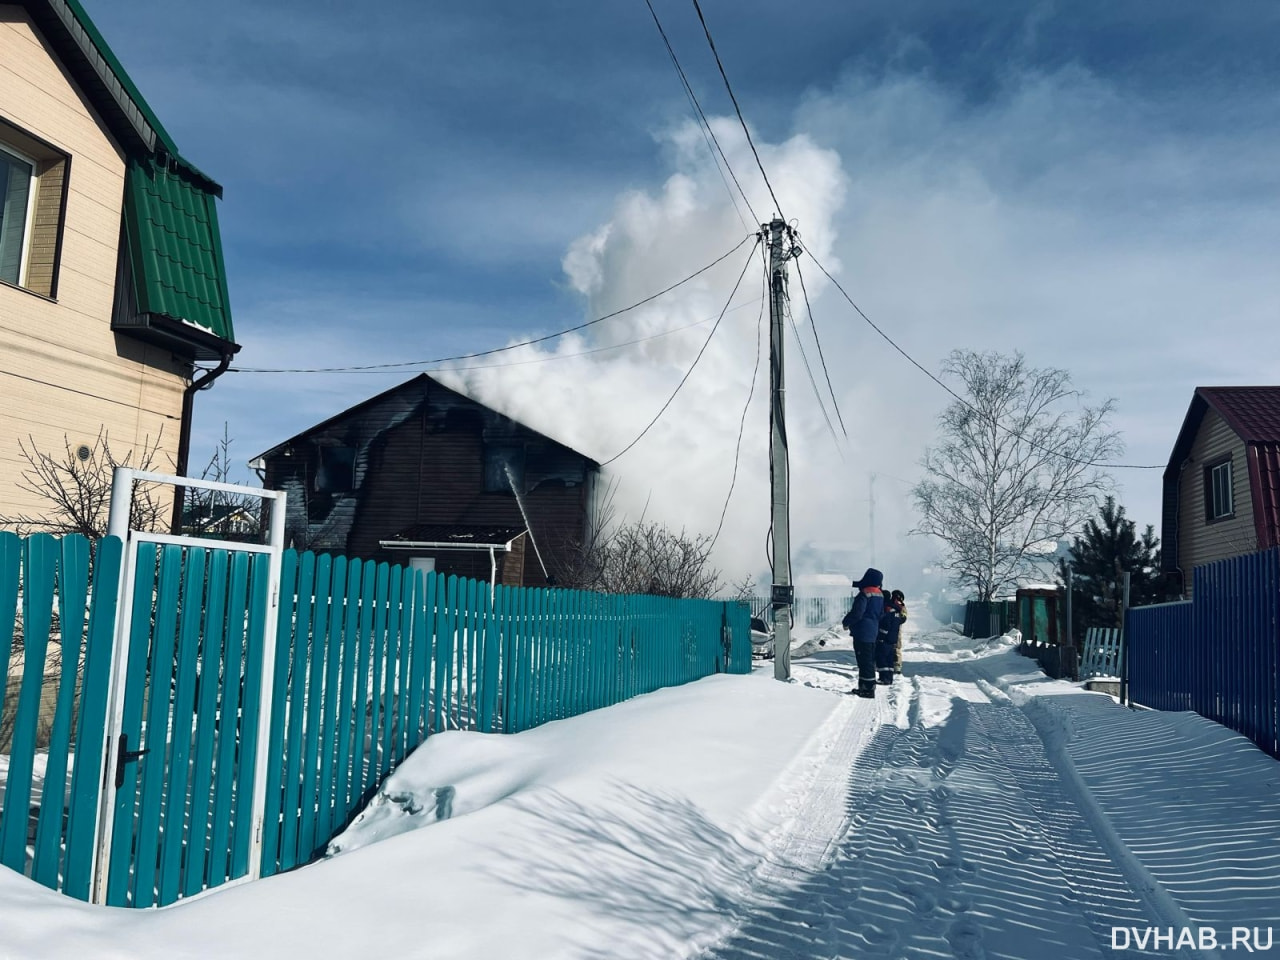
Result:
x=780 y=251
x=871 y=518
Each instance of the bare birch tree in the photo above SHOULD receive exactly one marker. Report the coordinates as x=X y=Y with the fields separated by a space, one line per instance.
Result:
x=1019 y=467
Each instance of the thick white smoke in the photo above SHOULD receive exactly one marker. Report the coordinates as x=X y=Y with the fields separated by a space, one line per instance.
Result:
x=1058 y=218
x=603 y=388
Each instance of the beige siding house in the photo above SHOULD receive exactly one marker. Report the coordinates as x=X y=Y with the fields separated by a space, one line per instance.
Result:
x=112 y=283
x=1222 y=484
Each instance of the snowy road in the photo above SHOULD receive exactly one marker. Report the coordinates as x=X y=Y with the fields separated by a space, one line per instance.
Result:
x=977 y=809
x=967 y=832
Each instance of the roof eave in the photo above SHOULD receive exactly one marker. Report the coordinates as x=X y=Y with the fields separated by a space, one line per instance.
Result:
x=183 y=338
x=89 y=59
x=444 y=545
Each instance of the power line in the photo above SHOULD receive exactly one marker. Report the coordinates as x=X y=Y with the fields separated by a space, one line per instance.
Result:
x=586 y=353
x=556 y=357
x=822 y=407
x=513 y=346
x=706 y=125
x=737 y=109
x=997 y=423
x=742 y=421
x=821 y=357
x=688 y=372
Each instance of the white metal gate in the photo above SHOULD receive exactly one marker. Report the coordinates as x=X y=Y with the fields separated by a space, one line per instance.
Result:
x=189 y=707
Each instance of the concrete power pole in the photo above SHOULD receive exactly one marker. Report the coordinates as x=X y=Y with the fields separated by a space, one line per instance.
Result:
x=871 y=517
x=780 y=251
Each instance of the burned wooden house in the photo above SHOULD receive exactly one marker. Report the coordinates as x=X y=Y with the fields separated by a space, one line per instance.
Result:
x=423 y=476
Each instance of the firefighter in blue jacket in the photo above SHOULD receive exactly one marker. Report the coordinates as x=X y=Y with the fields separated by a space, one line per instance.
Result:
x=863 y=623
x=888 y=643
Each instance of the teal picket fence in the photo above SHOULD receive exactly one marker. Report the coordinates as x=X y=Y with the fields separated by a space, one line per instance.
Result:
x=373 y=659
x=191 y=691
x=51 y=736
x=370 y=660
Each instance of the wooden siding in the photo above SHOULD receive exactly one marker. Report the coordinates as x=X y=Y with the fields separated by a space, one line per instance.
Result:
x=63 y=373
x=419 y=459
x=1199 y=541
x=42 y=258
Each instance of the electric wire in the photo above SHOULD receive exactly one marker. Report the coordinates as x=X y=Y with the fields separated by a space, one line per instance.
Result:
x=705 y=125
x=742 y=421
x=514 y=346
x=737 y=109
x=889 y=340
x=821 y=357
x=817 y=393
x=585 y=353
x=555 y=357
x=692 y=366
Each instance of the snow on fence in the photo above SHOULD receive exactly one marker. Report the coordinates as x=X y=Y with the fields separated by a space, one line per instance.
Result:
x=370 y=660
x=1101 y=654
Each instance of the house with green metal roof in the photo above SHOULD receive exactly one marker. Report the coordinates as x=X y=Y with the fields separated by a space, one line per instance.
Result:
x=113 y=284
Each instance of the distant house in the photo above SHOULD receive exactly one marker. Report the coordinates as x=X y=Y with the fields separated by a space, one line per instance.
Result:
x=1222 y=484
x=112 y=280
x=424 y=476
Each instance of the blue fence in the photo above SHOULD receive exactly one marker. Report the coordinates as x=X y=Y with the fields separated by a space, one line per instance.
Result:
x=370 y=660
x=1217 y=654
x=56 y=708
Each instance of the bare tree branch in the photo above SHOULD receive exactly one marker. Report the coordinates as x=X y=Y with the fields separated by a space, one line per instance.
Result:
x=76 y=487
x=1013 y=470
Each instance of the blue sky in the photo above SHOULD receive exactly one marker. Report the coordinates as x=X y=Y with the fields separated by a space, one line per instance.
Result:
x=1092 y=183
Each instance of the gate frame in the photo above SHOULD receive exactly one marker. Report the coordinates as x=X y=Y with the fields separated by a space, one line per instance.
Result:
x=122 y=481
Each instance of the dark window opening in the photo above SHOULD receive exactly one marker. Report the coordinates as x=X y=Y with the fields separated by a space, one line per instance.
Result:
x=1219 y=498
x=337 y=472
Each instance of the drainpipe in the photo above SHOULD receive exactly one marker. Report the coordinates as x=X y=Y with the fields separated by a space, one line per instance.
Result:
x=184 y=435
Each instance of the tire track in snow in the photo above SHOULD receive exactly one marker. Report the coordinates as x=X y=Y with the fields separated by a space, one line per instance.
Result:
x=960 y=842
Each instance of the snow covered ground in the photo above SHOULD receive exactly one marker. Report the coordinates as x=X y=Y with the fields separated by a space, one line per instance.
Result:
x=974 y=809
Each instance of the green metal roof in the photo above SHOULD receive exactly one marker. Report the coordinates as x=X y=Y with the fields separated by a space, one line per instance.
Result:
x=121 y=75
x=171 y=226
x=170 y=218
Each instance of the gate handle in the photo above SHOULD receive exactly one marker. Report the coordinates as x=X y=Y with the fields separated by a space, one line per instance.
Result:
x=125 y=755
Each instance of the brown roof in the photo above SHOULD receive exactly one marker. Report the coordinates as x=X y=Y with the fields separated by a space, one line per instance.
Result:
x=1252 y=412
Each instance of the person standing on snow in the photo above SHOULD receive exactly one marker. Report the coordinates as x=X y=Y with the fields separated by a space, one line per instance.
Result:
x=900 y=598
x=863 y=623
x=888 y=643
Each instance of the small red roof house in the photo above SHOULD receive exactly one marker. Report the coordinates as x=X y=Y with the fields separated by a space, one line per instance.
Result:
x=1222 y=484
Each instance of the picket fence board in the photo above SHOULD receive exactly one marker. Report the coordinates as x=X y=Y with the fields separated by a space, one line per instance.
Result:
x=370 y=660
x=1219 y=653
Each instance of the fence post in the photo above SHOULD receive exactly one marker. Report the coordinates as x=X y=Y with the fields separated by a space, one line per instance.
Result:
x=1071 y=637
x=1124 y=642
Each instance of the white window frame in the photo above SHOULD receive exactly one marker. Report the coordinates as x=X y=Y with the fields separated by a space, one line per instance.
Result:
x=1221 y=491
x=28 y=225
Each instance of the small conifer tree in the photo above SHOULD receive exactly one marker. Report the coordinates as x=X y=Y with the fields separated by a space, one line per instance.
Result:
x=1098 y=558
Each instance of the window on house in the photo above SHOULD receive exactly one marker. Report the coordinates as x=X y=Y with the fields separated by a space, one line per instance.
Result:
x=33 y=178
x=1219 y=501
x=337 y=473
x=17 y=179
